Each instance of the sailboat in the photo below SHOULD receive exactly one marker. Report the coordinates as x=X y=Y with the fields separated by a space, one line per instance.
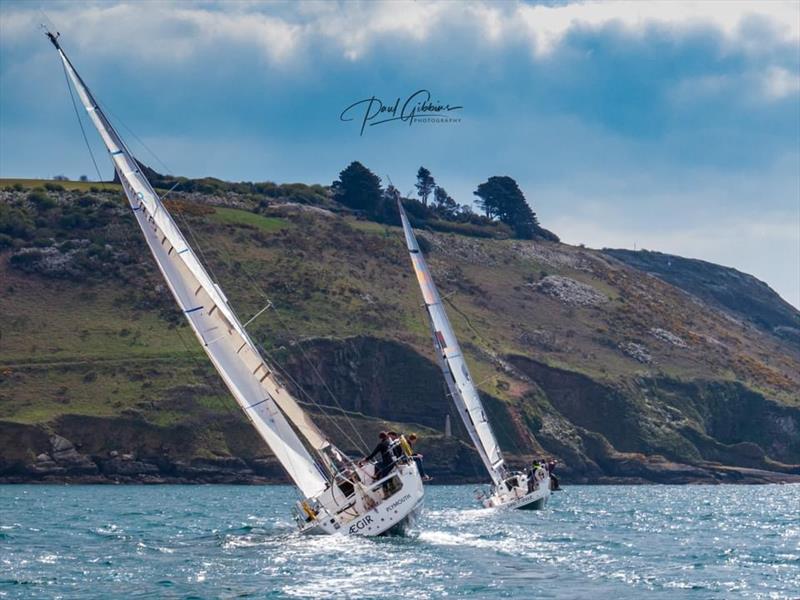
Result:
x=339 y=495
x=510 y=489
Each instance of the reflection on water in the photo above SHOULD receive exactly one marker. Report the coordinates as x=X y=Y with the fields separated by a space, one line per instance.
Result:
x=225 y=541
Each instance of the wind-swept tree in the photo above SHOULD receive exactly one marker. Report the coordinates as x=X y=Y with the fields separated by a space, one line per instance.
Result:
x=358 y=188
x=444 y=204
x=425 y=184
x=500 y=198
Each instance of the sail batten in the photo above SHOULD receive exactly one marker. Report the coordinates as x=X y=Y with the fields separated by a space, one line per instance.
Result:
x=252 y=383
x=451 y=361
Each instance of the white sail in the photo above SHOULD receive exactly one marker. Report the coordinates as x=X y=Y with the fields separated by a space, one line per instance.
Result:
x=454 y=367
x=219 y=331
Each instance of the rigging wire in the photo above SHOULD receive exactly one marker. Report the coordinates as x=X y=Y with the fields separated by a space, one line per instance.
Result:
x=319 y=376
x=291 y=466
x=107 y=110
x=497 y=422
x=125 y=234
x=225 y=257
x=80 y=122
x=251 y=280
x=312 y=400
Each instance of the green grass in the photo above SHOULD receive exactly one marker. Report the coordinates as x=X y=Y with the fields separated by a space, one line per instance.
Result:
x=370 y=226
x=328 y=277
x=83 y=186
x=233 y=216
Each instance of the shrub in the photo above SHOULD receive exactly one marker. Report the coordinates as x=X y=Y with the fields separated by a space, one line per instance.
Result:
x=41 y=200
x=87 y=201
x=73 y=220
x=497 y=230
x=53 y=187
x=14 y=222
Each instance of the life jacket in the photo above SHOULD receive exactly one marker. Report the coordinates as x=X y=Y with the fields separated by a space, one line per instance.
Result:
x=406 y=446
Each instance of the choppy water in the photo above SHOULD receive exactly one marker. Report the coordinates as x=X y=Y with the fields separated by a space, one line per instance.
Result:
x=226 y=541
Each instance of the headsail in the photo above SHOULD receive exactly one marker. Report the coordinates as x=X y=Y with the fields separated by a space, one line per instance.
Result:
x=454 y=367
x=222 y=336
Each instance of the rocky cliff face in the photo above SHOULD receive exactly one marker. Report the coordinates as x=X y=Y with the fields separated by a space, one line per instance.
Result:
x=621 y=375
x=739 y=294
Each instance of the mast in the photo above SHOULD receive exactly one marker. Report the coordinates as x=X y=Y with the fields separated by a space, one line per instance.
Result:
x=249 y=378
x=451 y=360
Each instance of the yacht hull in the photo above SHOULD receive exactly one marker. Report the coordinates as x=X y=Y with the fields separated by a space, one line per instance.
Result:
x=518 y=496
x=394 y=514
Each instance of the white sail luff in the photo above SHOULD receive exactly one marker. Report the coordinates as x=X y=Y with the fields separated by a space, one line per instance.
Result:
x=451 y=360
x=219 y=331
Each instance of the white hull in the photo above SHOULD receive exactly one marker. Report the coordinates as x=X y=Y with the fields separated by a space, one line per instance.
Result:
x=519 y=491
x=387 y=506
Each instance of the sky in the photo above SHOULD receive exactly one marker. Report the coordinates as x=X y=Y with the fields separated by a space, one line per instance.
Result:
x=670 y=126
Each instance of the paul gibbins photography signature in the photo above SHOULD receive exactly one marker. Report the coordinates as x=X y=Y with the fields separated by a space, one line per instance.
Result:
x=418 y=107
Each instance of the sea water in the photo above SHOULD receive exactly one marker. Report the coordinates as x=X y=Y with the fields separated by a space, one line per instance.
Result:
x=227 y=541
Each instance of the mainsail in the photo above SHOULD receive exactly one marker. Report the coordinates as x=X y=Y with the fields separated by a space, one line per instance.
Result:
x=454 y=367
x=249 y=378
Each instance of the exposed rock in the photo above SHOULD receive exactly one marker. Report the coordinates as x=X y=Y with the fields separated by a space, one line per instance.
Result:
x=69 y=259
x=65 y=455
x=551 y=254
x=569 y=291
x=669 y=337
x=467 y=249
x=61 y=445
x=118 y=466
x=636 y=352
x=735 y=292
x=789 y=333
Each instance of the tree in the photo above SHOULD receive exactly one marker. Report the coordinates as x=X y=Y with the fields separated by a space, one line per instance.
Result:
x=444 y=204
x=392 y=194
x=83 y=178
x=425 y=184
x=524 y=222
x=387 y=213
x=500 y=198
x=358 y=188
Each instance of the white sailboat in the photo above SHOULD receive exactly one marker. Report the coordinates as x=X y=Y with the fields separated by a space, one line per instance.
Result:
x=510 y=489
x=339 y=495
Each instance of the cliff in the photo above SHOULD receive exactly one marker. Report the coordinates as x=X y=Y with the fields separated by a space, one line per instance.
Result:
x=623 y=369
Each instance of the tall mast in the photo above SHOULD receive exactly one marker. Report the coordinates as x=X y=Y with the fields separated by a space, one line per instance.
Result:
x=451 y=360
x=249 y=378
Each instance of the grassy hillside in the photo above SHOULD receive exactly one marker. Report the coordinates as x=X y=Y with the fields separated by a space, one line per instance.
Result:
x=738 y=293
x=576 y=354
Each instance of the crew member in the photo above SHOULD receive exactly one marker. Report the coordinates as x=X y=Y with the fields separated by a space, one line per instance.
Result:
x=384 y=448
x=397 y=449
x=409 y=448
x=551 y=466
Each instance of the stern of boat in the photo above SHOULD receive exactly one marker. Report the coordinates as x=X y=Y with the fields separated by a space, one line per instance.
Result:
x=388 y=506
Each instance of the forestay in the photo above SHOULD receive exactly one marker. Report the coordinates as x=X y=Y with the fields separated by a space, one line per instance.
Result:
x=249 y=378
x=454 y=367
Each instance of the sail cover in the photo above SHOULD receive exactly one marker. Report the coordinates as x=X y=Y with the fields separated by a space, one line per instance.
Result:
x=219 y=331
x=454 y=367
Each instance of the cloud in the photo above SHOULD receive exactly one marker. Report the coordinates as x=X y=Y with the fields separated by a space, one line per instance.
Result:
x=645 y=119
x=548 y=26
x=352 y=28
x=780 y=82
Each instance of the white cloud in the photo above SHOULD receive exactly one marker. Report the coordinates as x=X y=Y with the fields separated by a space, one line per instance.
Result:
x=547 y=26
x=172 y=31
x=780 y=82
